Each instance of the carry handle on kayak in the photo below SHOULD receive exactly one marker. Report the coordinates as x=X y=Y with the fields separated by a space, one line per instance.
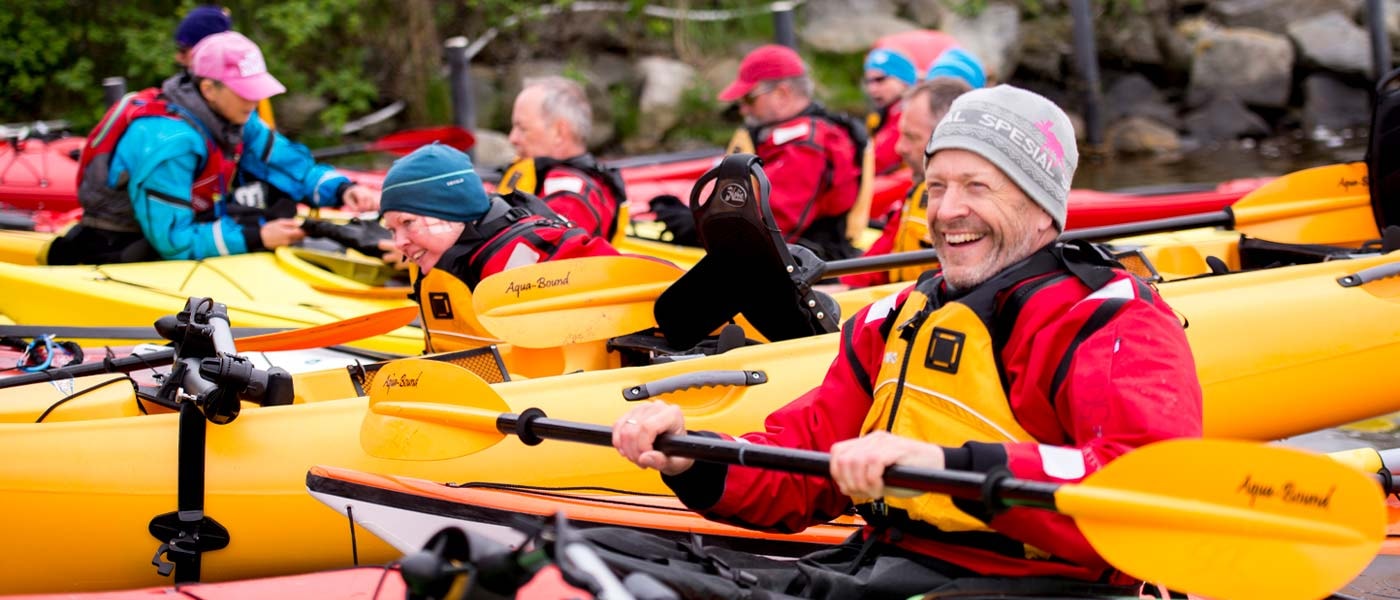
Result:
x=1225 y=519
x=698 y=379
x=1366 y=276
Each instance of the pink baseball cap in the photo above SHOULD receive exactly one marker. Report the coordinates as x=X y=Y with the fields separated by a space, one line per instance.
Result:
x=235 y=61
x=765 y=63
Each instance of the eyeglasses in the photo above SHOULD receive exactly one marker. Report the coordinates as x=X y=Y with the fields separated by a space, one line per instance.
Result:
x=752 y=97
x=876 y=79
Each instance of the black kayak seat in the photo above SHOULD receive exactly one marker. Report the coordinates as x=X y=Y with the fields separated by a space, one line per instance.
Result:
x=747 y=268
x=1382 y=160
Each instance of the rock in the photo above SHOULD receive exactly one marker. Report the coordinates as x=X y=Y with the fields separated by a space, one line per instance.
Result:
x=492 y=107
x=1224 y=117
x=1133 y=95
x=296 y=112
x=851 y=32
x=1275 y=15
x=492 y=150
x=664 y=83
x=1333 y=42
x=1046 y=48
x=820 y=10
x=1132 y=38
x=599 y=100
x=718 y=74
x=1142 y=135
x=928 y=13
x=1330 y=103
x=1254 y=65
x=993 y=36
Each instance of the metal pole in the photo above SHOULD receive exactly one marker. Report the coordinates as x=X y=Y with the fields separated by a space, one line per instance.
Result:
x=113 y=88
x=1380 y=42
x=1086 y=59
x=460 y=82
x=784 y=25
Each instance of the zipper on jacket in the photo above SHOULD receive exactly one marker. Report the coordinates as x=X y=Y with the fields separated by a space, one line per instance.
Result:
x=907 y=332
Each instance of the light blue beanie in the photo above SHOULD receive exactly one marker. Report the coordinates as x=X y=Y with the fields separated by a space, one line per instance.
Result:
x=892 y=63
x=435 y=181
x=959 y=63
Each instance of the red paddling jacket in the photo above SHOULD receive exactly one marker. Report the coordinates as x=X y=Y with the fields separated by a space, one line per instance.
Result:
x=1047 y=371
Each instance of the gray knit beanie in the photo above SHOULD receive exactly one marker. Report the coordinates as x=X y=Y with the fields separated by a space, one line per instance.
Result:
x=1021 y=132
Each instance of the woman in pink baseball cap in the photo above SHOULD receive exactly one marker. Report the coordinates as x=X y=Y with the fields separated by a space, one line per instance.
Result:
x=185 y=171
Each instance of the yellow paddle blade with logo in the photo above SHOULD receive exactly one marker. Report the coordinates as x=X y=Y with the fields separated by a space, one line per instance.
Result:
x=1234 y=508
x=555 y=303
x=429 y=410
x=1323 y=205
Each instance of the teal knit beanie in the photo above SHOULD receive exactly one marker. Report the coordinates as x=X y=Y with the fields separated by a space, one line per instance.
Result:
x=435 y=181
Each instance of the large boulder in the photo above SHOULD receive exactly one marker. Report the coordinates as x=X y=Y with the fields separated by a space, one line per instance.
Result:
x=1332 y=104
x=993 y=36
x=664 y=83
x=1046 y=46
x=1142 y=135
x=1133 y=95
x=1224 y=117
x=1333 y=42
x=492 y=150
x=1253 y=65
x=853 y=32
x=1275 y=15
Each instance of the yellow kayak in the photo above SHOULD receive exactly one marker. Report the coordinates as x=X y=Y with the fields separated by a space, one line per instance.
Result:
x=261 y=290
x=1270 y=369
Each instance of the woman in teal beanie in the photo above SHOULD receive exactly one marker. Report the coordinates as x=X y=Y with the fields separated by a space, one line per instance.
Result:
x=435 y=206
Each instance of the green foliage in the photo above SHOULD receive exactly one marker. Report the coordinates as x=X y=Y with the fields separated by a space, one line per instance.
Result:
x=54 y=54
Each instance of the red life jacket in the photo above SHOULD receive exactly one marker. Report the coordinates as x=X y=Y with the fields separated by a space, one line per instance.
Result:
x=597 y=192
x=108 y=207
x=517 y=223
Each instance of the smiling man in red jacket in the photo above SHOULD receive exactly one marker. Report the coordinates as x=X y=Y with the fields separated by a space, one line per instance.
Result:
x=1022 y=355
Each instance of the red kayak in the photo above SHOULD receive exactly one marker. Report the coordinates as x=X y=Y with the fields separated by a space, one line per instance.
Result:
x=41 y=176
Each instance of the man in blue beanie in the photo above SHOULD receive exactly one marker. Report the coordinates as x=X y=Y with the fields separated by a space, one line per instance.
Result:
x=888 y=73
x=201 y=22
x=959 y=64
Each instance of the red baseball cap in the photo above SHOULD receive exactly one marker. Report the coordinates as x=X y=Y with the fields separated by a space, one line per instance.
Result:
x=765 y=63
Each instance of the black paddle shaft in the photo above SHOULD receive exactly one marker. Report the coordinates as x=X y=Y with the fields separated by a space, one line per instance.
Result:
x=532 y=427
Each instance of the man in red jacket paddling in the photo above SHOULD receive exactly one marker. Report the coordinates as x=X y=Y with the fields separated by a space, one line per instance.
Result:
x=1021 y=355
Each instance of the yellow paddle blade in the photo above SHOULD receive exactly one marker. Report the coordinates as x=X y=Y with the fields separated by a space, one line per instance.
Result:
x=859 y=216
x=1322 y=205
x=429 y=410
x=740 y=143
x=1230 y=519
x=563 y=302
x=330 y=334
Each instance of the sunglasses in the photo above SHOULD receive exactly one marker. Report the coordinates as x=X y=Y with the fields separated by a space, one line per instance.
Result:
x=752 y=97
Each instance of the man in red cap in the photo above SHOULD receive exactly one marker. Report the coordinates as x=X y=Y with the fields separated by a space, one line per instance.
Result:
x=811 y=156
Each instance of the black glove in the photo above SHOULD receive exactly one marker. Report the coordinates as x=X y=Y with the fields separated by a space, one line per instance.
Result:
x=679 y=221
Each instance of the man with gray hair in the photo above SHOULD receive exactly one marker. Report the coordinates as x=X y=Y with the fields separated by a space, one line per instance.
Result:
x=549 y=129
x=1021 y=356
